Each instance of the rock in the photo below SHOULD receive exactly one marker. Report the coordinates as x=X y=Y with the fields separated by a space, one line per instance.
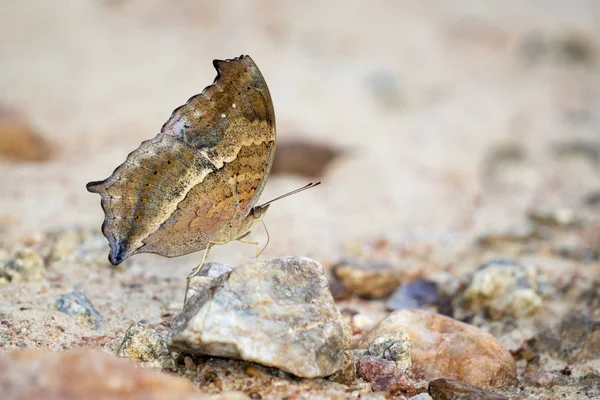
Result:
x=374 y=396
x=303 y=157
x=505 y=162
x=579 y=338
x=580 y=246
x=25 y=266
x=419 y=293
x=78 y=306
x=446 y=348
x=519 y=234
x=547 y=379
x=394 y=347
x=357 y=322
x=18 y=139
x=368 y=280
x=569 y=47
x=277 y=313
x=145 y=347
x=87 y=374
x=347 y=374
x=588 y=150
x=447 y=389
x=385 y=89
x=202 y=281
x=503 y=288
x=65 y=243
x=421 y=396
x=339 y=291
x=384 y=376
x=553 y=217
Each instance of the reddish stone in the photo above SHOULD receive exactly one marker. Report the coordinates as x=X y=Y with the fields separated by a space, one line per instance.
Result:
x=85 y=374
x=385 y=376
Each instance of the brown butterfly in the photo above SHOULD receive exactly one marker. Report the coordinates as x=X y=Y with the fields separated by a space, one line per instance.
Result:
x=196 y=183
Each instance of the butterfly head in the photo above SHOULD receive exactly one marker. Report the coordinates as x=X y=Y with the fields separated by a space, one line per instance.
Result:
x=258 y=213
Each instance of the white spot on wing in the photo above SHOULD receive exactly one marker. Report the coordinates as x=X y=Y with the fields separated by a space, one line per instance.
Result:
x=179 y=125
x=233 y=105
x=223 y=115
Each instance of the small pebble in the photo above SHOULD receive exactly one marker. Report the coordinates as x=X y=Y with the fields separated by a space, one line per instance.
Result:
x=347 y=374
x=520 y=234
x=420 y=293
x=448 y=389
x=367 y=280
x=78 y=306
x=146 y=347
x=421 y=396
x=25 y=266
x=503 y=288
x=554 y=217
x=394 y=347
x=385 y=376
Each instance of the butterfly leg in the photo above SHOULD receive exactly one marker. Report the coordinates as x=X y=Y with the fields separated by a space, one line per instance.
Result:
x=268 y=238
x=197 y=269
x=241 y=239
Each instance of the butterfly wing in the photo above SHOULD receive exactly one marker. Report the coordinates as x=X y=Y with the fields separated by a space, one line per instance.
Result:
x=206 y=168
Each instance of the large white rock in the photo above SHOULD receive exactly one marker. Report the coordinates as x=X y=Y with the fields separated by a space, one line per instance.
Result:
x=277 y=313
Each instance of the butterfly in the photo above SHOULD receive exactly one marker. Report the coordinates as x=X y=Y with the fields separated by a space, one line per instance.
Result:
x=196 y=184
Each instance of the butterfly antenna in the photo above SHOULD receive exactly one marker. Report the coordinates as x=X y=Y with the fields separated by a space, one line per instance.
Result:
x=303 y=188
x=268 y=238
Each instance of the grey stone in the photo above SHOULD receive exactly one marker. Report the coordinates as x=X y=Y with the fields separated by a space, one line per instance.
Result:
x=385 y=88
x=78 y=306
x=421 y=396
x=503 y=288
x=420 y=293
x=579 y=338
x=415 y=294
x=374 y=396
x=146 y=347
x=25 y=266
x=200 y=282
x=394 y=347
x=277 y=313
x=357 y=354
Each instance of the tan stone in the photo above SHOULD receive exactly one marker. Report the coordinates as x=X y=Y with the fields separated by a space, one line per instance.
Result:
x=367 y=280
x=447 y=348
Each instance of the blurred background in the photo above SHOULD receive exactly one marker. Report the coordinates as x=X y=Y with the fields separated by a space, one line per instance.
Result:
x=427 y=121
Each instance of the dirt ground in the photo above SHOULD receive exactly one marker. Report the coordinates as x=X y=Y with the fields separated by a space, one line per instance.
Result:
x=452 y=120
